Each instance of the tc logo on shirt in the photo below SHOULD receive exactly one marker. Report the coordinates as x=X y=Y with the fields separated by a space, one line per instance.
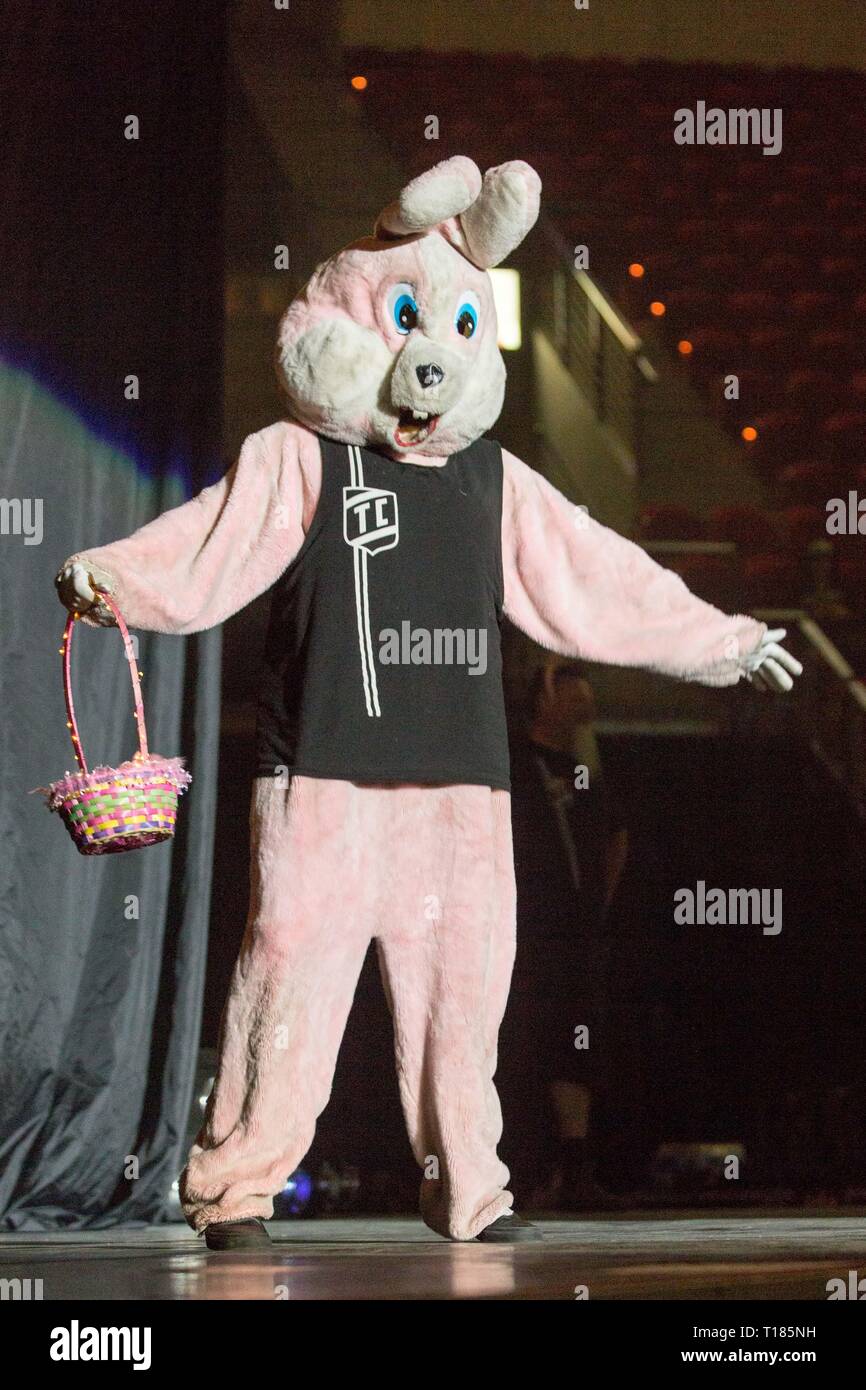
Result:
x=370 y=521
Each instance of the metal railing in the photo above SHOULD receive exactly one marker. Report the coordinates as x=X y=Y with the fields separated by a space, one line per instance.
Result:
x=597 y=345
x=830 y=702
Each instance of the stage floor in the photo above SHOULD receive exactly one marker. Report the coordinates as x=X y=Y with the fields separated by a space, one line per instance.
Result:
x=640 y=1256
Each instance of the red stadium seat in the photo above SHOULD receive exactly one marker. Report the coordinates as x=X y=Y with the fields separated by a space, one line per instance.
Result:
x=689 y=302
x=746 y=527
x=753 y=305
x=845 y=431
x=813 y=305
x=808 y=481
x=715 y=578
x=852 y=237
x=773 y=339
x=669 y=522
x=835 y=342
x=780 y=431
x=720 y=265
x=781 y=268
x=771 y=580
x=804 y=524
x=841 y=271
x=851 y=575
x=700 y=231
x=810 y=381
x=716 y=347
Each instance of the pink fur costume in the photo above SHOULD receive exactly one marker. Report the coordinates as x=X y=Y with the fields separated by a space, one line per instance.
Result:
x=424 y=869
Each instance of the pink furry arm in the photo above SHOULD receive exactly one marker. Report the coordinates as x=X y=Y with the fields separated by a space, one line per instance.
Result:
x=580 y=589
x=199 y=563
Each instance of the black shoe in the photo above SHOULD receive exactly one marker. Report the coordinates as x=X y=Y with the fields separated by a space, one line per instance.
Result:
x=509 y=1229
x=249 y=1234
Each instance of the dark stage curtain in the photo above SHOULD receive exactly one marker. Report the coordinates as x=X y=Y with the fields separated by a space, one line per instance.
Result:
x=111 y=261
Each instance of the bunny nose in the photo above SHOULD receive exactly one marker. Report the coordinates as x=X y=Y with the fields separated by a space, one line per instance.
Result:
x=429 y=374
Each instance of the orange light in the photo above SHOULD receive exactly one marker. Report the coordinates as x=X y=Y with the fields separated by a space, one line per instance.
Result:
x=685 y=347
x=359 y=83
x=657 y=308
x=636 y=270
x=749 y=433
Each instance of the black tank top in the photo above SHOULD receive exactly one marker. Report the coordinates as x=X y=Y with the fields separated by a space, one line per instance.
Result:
x=382 y=660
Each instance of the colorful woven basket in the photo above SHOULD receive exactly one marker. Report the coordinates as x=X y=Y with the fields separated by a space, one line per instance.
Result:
x=116 y=808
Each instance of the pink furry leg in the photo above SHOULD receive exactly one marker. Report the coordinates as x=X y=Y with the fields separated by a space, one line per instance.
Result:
x=446 y=950
x=306 y=937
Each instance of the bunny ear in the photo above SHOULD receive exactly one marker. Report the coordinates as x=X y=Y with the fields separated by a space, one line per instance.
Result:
x=433 y=197
x=502 y=214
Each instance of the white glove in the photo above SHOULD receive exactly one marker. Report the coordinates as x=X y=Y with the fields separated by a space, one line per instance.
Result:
x=78 y=585
x=769 y=666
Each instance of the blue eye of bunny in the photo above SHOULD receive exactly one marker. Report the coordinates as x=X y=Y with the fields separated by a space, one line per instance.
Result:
x=467 y=320
x=405 y=313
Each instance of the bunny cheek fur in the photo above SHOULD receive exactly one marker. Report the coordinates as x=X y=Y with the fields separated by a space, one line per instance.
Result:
x=350 y=374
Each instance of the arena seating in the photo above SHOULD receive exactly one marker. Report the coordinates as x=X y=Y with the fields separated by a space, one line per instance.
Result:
x=759 y=260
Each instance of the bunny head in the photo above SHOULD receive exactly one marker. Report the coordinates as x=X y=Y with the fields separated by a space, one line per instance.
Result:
x=393 y=341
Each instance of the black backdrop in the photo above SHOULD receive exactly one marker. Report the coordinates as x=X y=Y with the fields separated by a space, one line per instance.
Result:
x=112 y=265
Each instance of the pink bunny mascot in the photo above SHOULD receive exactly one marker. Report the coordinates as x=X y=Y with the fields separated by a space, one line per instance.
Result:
x=395 y=538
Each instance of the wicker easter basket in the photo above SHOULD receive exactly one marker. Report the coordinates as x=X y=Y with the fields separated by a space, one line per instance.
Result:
x=112 y=809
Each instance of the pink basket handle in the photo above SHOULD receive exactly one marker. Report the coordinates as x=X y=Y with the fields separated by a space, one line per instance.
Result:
x=66 y=651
